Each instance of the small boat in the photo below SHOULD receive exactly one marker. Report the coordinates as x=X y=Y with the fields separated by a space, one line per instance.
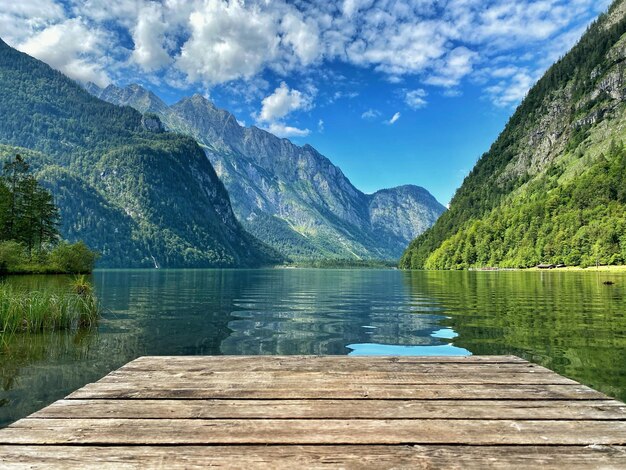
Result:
x=546 y=266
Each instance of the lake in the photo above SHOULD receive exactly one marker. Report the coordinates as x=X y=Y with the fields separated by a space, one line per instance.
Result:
x=570 y=322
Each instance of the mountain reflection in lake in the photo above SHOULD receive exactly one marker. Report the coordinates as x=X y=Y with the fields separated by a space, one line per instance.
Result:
x=569 y=322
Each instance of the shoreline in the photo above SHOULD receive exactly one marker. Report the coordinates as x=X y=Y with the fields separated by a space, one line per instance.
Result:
x=599 y=269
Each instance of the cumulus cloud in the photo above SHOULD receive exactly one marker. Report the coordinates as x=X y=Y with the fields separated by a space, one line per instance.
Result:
x=394 y=119
x=416 y=99
x=283 y=130
x=20 y=20
x=227 y=41
x=449 y=71
x=218 y=42
x=302 y=36
x=71 y=48
x=148 y=36
x=282 y=102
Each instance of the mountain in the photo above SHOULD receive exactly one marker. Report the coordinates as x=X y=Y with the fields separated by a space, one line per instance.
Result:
x=291 y=197
x=552 y=188
x=140 y=196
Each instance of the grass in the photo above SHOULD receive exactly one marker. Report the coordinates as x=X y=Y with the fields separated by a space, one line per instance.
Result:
x=32 y=311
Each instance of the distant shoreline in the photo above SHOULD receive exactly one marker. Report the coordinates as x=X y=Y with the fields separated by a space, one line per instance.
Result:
x=617 y=268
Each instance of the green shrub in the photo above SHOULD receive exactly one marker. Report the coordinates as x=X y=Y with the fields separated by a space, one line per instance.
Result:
x=73 y=258
x=12 y=256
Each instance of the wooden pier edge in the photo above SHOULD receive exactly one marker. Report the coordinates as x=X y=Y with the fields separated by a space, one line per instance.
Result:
x=324 y=411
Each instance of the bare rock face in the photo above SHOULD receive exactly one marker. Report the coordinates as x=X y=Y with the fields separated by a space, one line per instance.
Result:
x=152 y=123
x=292 y=197
x=412 y=204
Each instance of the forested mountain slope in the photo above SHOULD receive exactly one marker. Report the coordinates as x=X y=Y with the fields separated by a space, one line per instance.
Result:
x=291 y=197
x=140 y=196
x=552 y=188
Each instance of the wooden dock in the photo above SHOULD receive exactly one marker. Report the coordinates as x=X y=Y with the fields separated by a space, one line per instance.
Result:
x=348 y=412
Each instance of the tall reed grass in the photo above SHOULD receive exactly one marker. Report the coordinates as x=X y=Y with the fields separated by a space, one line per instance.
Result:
x=31 y=311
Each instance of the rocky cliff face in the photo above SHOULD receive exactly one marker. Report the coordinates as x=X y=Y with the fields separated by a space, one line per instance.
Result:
x=292 y=197
x=412 y=204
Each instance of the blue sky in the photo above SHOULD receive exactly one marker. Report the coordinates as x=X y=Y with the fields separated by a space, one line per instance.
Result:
x=394 y=92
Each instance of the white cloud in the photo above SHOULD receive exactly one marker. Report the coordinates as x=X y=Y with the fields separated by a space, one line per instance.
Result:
x=511 y=92
x=303 y=36
x=320 y=126
x=416 y=99
x=20 y=20
x=283 y=130
x=282 y=102
x=449 y=71
x=216 y=42
x=148 y=36
x=350 y=7
x=370 y=114
x=393 y=119
x=227 y=41
x=72 y=48
x=452 y=93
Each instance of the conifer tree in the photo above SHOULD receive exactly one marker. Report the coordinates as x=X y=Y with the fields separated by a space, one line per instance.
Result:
x=27 y=210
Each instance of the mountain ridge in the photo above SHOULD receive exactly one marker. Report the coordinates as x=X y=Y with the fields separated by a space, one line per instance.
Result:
x=278 y=187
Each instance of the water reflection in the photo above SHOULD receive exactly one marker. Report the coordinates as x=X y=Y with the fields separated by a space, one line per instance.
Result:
x=570 y=322
x=323 y=312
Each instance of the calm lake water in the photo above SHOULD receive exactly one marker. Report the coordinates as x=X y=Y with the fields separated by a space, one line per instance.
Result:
x=569 y=322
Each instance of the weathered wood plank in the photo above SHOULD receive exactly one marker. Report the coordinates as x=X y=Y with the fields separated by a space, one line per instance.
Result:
x=348 y=412
x=190 y=379
x=313 y=431
x=252 y=363
x=298 y=359
x=322 y=364
x=341 y=390
x=355 y=409
x=289 y=457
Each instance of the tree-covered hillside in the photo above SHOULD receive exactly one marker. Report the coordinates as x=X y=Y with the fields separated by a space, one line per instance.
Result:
x=550 y=189
x=140 y=196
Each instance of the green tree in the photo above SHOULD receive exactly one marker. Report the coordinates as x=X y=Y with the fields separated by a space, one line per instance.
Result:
x=27 y=210
x=73 y=258
x=14 y=173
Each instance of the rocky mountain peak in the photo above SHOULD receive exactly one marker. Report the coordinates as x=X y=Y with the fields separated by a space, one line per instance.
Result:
x=294 y=198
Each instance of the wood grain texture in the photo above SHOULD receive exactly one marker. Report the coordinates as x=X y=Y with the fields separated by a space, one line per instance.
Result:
x=345 y=409
x=338 y=390
x=312 y=457
x=333 y=378
x=324 y=411
x=313 y=431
